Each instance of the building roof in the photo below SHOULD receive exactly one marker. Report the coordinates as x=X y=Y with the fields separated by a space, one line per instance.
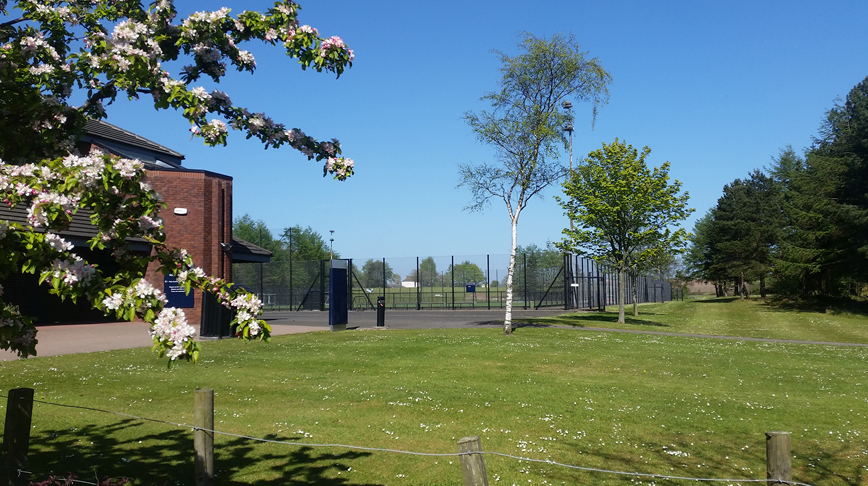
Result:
x=80 y=230
x=117 y=141
x=105 y=129
x=246 y=252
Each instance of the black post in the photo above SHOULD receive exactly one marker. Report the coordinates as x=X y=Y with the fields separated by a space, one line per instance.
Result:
x=350 y=285
x=452 y=276
x=566 y=261
x=381 y=311
x=524 y=258
x=600 y=281
x=418 y=287
x=488 y=280
x=322 y=274
x=291 y=288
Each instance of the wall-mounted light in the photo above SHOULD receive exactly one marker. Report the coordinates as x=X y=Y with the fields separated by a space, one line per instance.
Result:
x=181 y=211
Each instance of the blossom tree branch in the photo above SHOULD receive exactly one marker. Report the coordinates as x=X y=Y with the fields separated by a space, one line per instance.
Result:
x=60 y=51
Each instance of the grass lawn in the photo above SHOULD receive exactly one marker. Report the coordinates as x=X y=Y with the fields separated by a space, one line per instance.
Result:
x=727 y=317
x=654 y=404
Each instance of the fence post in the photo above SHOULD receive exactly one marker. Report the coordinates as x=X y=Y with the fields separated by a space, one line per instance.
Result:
x=16 y=436
x=203 y=437
x=472 y=465
x=779 y=468
x=488 y=280
x=524 y=257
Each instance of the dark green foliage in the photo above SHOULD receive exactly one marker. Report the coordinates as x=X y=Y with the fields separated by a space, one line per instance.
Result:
x=744 y=227
x=826 y=200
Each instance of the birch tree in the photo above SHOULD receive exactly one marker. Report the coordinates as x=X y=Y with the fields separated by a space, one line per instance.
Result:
x=524 y=128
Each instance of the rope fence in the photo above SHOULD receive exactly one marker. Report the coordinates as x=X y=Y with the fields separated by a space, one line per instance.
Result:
x=778 y=460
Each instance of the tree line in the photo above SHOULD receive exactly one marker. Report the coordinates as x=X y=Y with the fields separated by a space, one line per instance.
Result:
x=799 y=228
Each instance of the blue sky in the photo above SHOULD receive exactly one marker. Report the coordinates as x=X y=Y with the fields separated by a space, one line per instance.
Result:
x=715 y=88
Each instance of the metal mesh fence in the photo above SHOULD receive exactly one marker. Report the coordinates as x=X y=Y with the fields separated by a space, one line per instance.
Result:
x=541 y=279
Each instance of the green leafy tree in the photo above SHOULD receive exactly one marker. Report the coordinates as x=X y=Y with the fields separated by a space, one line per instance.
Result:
x=537 y=266
x=428 y=273
x=305 y=244
x=622 y=210
x=373 y=274
x=59 y=67
x=466 y=273
x=524 y=127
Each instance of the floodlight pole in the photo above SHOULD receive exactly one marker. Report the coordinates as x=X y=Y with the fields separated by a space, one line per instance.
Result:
x=331 y=246
x=568 y=127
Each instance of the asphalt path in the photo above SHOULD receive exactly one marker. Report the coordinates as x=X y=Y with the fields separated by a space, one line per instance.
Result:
x=59 y=339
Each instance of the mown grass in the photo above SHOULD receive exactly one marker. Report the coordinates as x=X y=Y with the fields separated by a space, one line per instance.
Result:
x=729 y=316
x=654 y=404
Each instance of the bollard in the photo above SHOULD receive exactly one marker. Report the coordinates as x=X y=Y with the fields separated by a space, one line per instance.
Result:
x=779 y=468
x=381 y=311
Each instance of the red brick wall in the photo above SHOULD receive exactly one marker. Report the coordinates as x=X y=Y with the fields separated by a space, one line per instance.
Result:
x=207 y=197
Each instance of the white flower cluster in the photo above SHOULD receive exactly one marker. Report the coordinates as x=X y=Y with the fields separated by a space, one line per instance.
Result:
x=341 y=167
x=247 y=307
x=36 y=213
x=89 y=168
x=57 y=243
x=184 y=275
x=207 y=17
x=128 y=167
x=10 y=317
x=212 y=131
x=147 y=223
x=72 y=272
x=171 y=328
x=142 y=290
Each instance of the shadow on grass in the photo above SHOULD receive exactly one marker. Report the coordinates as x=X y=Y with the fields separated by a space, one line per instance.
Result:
x=827 y=305
x=586 y=320
x=166 y=458
x=718 y=300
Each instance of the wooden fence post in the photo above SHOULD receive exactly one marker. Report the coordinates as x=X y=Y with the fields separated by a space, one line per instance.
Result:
x=16 y=436
x=779 y=467
x=203 y=436
x=472 y=465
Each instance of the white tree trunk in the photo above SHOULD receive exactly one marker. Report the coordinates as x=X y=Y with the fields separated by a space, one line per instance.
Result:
x=507 y=321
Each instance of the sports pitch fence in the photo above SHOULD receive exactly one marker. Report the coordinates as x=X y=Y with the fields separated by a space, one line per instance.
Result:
x=567 y=281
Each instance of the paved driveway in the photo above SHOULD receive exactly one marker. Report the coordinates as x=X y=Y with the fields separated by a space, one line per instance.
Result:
x=60 y=339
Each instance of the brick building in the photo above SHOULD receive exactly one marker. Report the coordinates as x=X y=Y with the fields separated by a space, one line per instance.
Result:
x=198 y=218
